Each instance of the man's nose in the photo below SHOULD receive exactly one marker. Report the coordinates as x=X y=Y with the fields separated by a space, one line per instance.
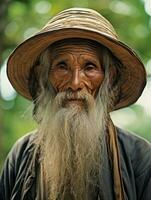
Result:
x=76 y=80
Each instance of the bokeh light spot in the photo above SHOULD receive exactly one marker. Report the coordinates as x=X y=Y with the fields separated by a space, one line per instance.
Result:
x=141 y=31
x=127 y=115
x=120 y=7
x=11 y=28
x=148 y=67
x=30 y=31
x=7 y=91
x=145 y=99
x=42 y=7
x=147 y=5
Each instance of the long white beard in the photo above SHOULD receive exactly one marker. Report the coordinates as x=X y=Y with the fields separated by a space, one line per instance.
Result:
x=71 y=141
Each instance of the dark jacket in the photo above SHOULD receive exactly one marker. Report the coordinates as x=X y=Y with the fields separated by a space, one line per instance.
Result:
x=135 y=165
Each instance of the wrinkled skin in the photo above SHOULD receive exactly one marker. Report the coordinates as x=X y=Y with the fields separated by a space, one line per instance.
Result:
x=76 y=67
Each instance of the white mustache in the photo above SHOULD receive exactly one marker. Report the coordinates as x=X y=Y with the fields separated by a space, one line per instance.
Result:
x=70 y=95
x=80 y=95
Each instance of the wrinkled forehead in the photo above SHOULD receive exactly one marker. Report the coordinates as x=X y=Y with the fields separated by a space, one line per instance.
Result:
x=76 y=45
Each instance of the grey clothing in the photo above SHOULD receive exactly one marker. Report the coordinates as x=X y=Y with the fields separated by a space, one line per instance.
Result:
x=18 y=179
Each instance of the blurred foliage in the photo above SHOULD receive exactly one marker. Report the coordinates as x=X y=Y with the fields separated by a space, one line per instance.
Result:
x=21 y=19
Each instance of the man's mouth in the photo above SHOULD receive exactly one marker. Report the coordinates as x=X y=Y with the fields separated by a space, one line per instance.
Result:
x=75 y=101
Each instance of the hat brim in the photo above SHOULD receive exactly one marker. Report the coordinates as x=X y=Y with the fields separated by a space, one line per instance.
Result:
x=21 y=61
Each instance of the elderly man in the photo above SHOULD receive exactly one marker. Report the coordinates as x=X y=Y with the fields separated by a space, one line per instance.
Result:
x=76 y=71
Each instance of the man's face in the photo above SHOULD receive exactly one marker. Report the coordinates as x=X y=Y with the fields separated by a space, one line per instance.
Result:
x=76 y=67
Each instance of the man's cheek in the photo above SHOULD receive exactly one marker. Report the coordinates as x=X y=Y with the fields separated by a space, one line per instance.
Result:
x=59 y=85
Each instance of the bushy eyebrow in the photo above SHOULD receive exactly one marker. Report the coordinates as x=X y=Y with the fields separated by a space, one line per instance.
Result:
x=87 y=60
x=59 y=60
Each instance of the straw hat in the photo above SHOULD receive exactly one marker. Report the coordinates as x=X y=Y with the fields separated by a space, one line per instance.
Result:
x=78 y=23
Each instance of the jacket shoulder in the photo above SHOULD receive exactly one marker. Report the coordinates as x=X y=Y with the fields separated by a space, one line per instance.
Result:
x=136 y=149
x=19 y=149
x=14 y=167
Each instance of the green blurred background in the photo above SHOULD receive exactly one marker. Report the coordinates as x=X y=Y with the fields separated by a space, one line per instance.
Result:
x=21 y=19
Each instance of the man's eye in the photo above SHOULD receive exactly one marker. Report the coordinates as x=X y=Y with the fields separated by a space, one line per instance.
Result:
x=62 y=66
x=90 y=66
